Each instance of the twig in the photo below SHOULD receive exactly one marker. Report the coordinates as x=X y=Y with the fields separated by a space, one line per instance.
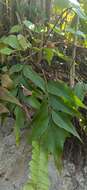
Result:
x=60 y=17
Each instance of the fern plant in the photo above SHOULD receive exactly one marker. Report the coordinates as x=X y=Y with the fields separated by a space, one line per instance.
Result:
x=39 y=169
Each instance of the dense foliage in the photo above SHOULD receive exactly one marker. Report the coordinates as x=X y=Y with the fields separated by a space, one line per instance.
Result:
x=45 y=107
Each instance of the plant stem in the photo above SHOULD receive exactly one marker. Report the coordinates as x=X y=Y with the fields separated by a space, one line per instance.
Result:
x=72 y=70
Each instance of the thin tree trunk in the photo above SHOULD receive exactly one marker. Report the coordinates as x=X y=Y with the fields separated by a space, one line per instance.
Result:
x=72 y=70
x=48 y=7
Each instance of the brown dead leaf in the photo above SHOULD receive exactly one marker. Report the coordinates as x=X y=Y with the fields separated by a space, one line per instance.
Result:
x=6 y=81
x=26 y=92
x=3 y=109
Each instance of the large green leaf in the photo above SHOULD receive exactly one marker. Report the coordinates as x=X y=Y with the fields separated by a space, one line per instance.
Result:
x=59 y=104
x=12 y=41
x=24 y=43
x=40 y=122
x=16 y=28
x=6 y=51
x=32 y=101
x=63 y=121
x=60 y=89
x=53 y=140
x=16 y=68
x=29 y=73
x=39 y=169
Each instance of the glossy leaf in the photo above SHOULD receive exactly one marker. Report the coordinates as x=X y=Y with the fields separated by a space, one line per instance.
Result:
x=29 y=25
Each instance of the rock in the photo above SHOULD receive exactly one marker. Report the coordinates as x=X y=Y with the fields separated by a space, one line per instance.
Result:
x=13 y=162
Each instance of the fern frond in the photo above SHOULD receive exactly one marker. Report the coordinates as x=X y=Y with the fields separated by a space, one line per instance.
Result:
x=39 y=169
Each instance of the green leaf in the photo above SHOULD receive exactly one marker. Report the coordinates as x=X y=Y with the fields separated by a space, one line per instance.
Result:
x=39 y=29
x=63 y=121
x=6 y=51
x=32 y=101
x=16 y=28
x=78 y=33
x=23 y=42
x=53 y=141
x=29 y=25
x=39 y=169
x=48 y=54
x=16 y=68
x=80 y=13
x=61 y=55
x=60 y=89
x=59 y=104
x=80 y=90
x=29 y=73
x=19 y=122
x=40 y=122
x=7 y=96
x=12 y=41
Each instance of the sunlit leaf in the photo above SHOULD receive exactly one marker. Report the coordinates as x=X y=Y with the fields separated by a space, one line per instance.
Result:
x=29 y=25
x=12 y=41
x=6 y=51
x=16 y=29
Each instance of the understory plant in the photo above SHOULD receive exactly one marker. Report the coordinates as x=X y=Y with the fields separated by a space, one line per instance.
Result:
x=44 y=107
